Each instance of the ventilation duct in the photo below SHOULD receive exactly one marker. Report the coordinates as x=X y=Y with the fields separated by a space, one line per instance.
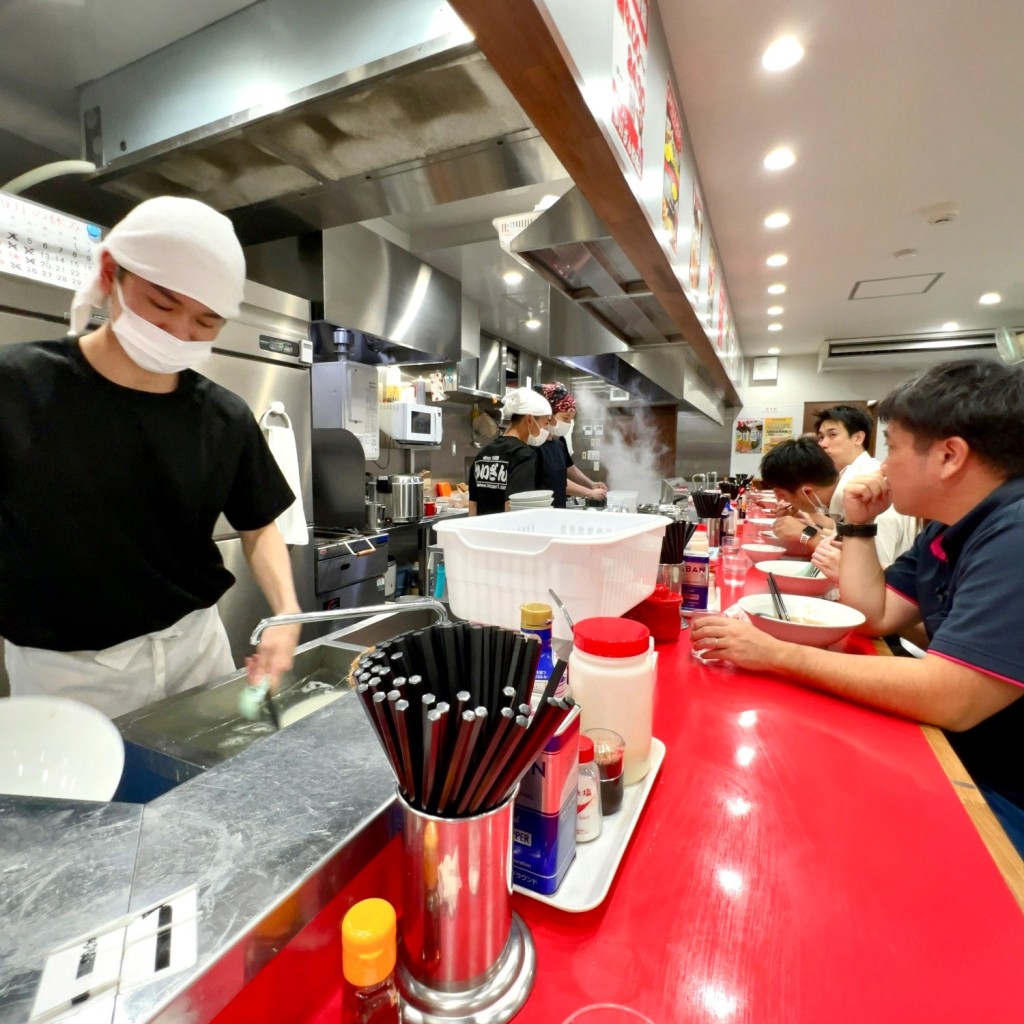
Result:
x=906 y=352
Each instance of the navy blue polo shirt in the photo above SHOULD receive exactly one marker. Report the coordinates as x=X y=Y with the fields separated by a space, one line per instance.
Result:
x=966 y=580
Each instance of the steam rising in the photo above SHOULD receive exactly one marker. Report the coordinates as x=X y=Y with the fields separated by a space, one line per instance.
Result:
x=630 y=450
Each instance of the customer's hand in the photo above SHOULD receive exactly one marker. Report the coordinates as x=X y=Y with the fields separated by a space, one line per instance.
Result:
x=719 y=637
x=274 y=655
x=826 y=557
x=788 y=529
x=865 y=498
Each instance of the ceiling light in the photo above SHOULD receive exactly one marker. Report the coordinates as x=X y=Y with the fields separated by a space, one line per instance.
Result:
x=776 y=289
x=774 y=311
x=773 y=351
x=777 y=260
x=782 y=54
x=511 y=277
x=905 y=254
x=776 y=220
x=533 y=323
x=775 y=327
x=779 y=159
x=990 y=298
x=951 y=325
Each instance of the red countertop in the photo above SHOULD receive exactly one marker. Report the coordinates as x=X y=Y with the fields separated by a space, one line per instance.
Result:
x=800 y=859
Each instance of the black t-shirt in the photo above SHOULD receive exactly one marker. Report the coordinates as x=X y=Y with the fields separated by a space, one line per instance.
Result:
x=109 y=496
x=552 y=462
x=506 y=466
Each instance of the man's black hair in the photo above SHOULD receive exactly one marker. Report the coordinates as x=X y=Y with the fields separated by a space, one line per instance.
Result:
x=851 y=418
x=980 y=400
x=798 y=463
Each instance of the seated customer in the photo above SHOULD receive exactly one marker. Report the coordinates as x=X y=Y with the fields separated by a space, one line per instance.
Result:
x=555 y=470
x=954 y=458
x=844 y=433
x=792 y=466
x=509 y=463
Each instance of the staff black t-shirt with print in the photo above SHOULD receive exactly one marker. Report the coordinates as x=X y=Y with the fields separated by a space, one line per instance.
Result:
x=506 y=466
x=109 y=497
x=553 y=459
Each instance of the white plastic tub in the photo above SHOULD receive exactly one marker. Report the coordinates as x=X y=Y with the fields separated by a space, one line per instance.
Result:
x=599 y=563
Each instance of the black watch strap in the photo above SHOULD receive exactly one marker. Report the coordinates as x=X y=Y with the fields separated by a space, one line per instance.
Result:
x=808 y=533
x=857 y=530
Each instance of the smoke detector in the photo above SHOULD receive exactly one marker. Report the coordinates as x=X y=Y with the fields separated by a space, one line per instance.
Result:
x=941 y=213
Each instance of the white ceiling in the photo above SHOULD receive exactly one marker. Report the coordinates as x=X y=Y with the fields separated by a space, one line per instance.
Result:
x=896 y=106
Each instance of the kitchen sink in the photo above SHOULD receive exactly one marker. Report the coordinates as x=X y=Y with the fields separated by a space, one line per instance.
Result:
x=177 y=738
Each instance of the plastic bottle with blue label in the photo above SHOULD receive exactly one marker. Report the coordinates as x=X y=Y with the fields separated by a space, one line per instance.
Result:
x=535 y=620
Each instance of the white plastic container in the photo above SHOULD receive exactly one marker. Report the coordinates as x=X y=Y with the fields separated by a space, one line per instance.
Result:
x=621 y=501
x=611 y=676
x=598 y=564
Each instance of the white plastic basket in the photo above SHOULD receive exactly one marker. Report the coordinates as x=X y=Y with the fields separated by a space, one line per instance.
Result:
x=599 y=563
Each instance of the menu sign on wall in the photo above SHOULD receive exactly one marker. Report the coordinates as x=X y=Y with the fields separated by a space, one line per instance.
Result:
x=44 y=245
x=673 y=157
x=696 y=239
x=629 y=77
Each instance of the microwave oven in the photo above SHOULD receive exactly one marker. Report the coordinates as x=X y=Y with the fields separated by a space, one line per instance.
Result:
x=411 y=423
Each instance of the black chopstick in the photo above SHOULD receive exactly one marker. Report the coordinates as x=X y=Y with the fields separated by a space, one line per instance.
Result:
x=780 y=607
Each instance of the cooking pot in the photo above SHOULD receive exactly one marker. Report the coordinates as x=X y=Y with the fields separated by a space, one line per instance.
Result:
x=402 y=497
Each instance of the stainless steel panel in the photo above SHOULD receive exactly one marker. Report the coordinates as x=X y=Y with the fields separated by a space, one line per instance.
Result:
x=259 y=383
x=244 y=604
x=373 y=286
x=15 y=328
x=344 y=570
x=491 y=372
x=204 y=84
x=68 y=867
x=275 y=314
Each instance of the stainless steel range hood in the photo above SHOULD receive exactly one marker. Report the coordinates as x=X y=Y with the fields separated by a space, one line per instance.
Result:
x=302 y=116
x=570 y=247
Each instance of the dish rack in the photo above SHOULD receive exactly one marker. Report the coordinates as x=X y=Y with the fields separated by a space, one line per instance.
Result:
x=597 y=563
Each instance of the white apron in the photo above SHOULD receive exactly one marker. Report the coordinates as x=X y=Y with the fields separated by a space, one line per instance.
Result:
x=128 y=675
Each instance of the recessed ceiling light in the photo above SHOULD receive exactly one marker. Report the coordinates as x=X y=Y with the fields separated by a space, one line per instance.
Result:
x=951 y=325
x=511 y=277
x=533 y=323
x=990 y=298
x=775 y=327
x=782 y=54
x=776 y=289
x=777 y=260
x=779 y=159
x=776 y=220
x=773 y=351
x=774 y=311
x=905 y=254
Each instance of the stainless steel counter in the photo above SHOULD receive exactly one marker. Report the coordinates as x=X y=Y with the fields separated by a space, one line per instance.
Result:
x=271 y=834
x=67 y=866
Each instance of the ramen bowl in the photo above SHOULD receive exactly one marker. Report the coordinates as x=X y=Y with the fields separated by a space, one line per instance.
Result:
x=813 y=622
x=762 y=552
x=793 y=578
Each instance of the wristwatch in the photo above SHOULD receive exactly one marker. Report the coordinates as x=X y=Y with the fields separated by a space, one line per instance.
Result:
x=808 y=533
x=857 y=530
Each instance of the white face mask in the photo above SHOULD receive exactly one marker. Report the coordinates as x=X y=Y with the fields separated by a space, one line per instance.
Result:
x=561 y=429
x=151 y=347
x=539 y=439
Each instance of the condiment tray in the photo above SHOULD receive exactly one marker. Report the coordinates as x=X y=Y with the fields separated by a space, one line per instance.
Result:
x=587 y=882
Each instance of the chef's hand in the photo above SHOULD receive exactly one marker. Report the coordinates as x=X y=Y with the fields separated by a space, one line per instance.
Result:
x=601 y=488
x=826 y=557
x=721 y=638
x=866 y=498
x=274 y=655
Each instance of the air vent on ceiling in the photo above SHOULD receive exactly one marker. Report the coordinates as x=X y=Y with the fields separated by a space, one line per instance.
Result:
x=889 y=287
x=908 y=352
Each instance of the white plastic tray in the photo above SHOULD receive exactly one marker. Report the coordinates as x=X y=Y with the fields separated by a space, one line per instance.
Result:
x=587 y=882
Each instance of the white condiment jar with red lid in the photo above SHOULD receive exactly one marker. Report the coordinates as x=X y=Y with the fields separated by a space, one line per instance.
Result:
x=611 y=675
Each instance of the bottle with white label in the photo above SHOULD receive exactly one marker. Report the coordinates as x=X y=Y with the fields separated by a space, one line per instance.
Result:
x=588 y=794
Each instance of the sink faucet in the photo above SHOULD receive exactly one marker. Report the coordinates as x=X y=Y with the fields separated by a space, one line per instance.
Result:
x=348 y=613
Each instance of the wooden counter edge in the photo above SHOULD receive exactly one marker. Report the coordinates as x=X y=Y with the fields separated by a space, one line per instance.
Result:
x=1003 y=852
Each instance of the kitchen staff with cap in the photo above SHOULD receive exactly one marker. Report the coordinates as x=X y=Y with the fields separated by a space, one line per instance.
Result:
x=116 y=459
x=508 y=464
x=556 y=470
